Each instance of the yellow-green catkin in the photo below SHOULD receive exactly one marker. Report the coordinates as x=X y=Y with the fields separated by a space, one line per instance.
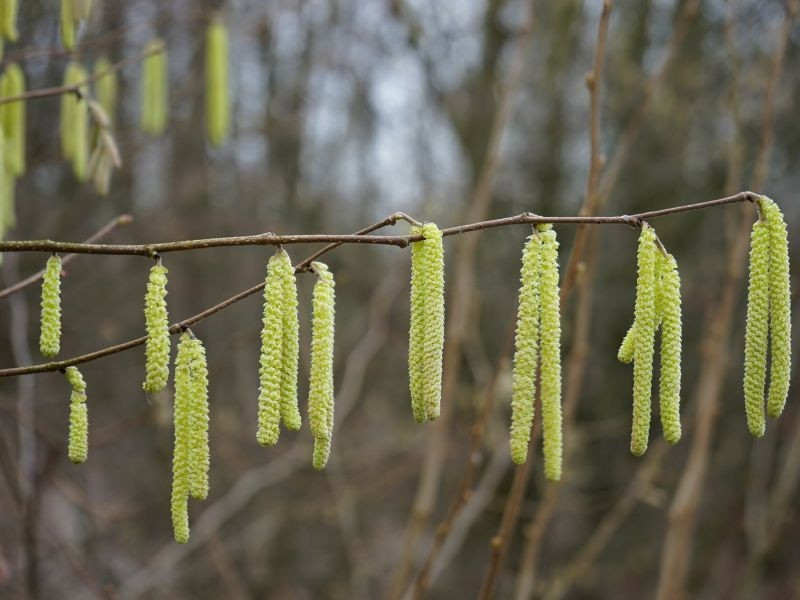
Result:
x=780 y=324
x=526 y=352
x=199 y=455
x=68 y=24
x=154 y=93
x=550 y=354
x=270 y=362
x=757 y=327
x=50 y=335
x=106 y=87
x=320 y=389
x=78 y=446
x=8 y=215
x=75 y=121
x=426 y=330
x=13 y=119
x=10 y=8
x=290 y=411
x=645 y=324
x=217 y=96
x=669 y=308
x=625 y=352
x=182 y=451
x=157 y=324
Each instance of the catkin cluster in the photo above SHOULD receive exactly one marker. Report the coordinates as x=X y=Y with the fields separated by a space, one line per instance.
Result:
x=277 y=399
x=426 y=331
x=8 y=22
x=320 y=389
x=50 y=332
x=538 y=344
x=72 y=13
x=154 y=92
x=157 y=324
x=658 y=304
x=78 y=448
x=768 y=325
x=75 y=121
x=217 y=100
x=190 y=459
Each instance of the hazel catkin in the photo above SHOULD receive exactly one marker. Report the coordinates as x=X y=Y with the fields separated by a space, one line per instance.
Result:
x=290 y=351
x=426 y=331
x=270 y=363
x=669 y=309
x=217 y=97
x=10 y=8
x=157 y=346
x=199 y=455
x=320 y=388
x=526 y=351
x=50 y=333
x=13 y=119
x=75 y=121
x=78 y=446
x=155 y=89
x=106 y=86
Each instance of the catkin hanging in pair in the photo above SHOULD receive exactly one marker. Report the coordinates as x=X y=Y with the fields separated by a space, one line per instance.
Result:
x=75 y=121
x=155 y=88
x=538 y=344
x=157 y=325
x=768 y=318
x=277 y=399
x=426 y=331
x=320 y=389
x=217 y=96
x=191 y=458
x=78 y=447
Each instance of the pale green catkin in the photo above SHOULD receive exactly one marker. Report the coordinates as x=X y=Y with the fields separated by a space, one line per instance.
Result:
x=78 y=446
x=8 y=215
x=13 y=119
x=757 y=328
x=669 y=309
x=290 y=352
x=157 y=324
x=645 y=324
x=9 y=23
x=550 y=355
x=181 y=455
x=199 y=455
x=217 y=97
x=426 y=331
x=67 y=24
x=154 y=92
x=75 y=122
x=780 y=323
x=106 y=87
x=526 y=351
x=625 y=352
x=270 y=362
x=50 y=335
x=320 y=388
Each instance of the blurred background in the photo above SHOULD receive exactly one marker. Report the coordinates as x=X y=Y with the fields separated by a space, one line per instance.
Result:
x=344 y=112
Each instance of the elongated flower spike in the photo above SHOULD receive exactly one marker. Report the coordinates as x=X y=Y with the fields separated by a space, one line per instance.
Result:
x=13 y=121
x=551 y=355
x=270 y=362
x=669 y=309
x=50 y=335
x=106 y=87
x=75 y=121
x=78 y=447
x=526 y=351
x=290 y=351
x=320 y=389
x=780 y=325
x=155 y=88
x=199 y=455
x=757 y=327
x=67 y=24
x=426 y=331
x=645 y=326
x=217 y=97
x=9 y=20
x=157 y=324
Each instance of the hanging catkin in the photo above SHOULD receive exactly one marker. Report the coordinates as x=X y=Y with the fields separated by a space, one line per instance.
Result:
x=106 y=86
x=290 y=411
x=154 y=91
x=780 y=325
x=181 y=455
x=50 y=335
x=75 y=121
x=78 y=447
x=270 y=363
x=669 y=309
x=550 y=355
x=320 y=389
x=9 y=19
x=157 y=325
x=67 y=24
x=645 y=325
x=199 y=456
x=426 y=331
x=13 y=119
x=217 y=98
x=757 y=327
x=526 y=350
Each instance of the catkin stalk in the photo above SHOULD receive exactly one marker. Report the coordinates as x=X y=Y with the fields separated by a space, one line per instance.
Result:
x=526 y=351
x=78 y=446
x=217 y=97
x=551 y=355
x=270 y=367
x=156 y=317
x=50 y=334
x=320 y=389
x=757 y=328
x=669 y=306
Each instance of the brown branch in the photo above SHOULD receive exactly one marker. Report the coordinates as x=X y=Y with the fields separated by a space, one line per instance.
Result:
x=98 y=235
x=270 y=239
